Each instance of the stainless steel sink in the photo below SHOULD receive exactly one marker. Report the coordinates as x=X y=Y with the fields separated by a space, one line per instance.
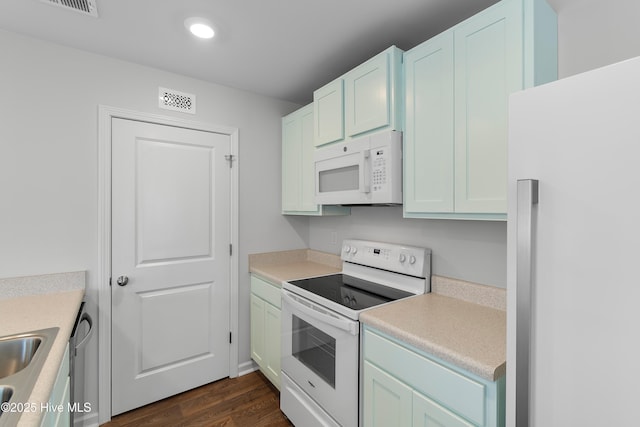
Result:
x=17 y=353
x=21 y=359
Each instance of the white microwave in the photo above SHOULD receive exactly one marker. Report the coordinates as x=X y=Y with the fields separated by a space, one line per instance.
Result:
x=363 y=171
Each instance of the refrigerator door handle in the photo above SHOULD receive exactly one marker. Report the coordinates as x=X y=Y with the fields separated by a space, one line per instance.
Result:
x=527 y=198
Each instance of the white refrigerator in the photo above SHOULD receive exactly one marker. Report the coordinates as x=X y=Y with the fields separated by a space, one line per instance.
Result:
x=573 y=279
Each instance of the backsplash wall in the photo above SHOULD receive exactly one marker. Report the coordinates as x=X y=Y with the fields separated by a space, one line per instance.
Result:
x=474 y=251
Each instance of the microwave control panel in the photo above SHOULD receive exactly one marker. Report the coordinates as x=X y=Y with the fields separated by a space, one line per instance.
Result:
x=378 y=169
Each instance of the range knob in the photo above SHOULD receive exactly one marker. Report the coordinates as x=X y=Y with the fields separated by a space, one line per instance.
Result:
x=403 y=258
x=347 y=248
x=354 y=250
x=412 y=259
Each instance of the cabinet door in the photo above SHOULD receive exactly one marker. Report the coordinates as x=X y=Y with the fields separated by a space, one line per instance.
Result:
x=328 y=111
x=298 y=182
x=291 y=165
x=59 y=398
x=387 y=401
x=368 y=95
x=307 y=168
x=257 y=330
x=427 y=413
x=273 y=332
x=488 y=67
x=428 y=163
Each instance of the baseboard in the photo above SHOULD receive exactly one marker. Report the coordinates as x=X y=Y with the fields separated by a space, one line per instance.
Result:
x=86 y=420
x=247 y=367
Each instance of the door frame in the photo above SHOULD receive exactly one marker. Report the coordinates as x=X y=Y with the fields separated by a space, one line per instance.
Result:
x=105 y=116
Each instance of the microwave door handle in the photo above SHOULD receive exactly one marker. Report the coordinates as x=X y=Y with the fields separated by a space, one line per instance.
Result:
x=322 y=316
x=365 y=179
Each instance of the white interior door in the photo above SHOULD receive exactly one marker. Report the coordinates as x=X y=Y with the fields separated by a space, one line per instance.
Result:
x=171 y=236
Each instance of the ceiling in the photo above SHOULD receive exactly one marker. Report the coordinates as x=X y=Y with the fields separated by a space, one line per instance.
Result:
x=279 y=48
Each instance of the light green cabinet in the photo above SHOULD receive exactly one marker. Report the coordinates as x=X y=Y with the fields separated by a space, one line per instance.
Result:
x=373 y=94
x=386 y=401
x=391 y=402
x=403 y=386
x=457 y=90
x=265 y=328
x=328 y=104
x=298 y=182
x=57 y=408
x=428 y=135
x=363 y=100
x=427 y=413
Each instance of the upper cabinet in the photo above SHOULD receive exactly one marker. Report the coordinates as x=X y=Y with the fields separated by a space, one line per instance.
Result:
x=328 y=104
x=428 y=135
x=449 y=96
x=457 y=90
x=298 y=184
x=365 y=99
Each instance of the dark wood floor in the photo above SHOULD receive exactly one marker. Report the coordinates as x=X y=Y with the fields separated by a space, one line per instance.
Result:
x=249 y=400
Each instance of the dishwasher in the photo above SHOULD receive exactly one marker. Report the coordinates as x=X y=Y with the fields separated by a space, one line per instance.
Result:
x=82 y=331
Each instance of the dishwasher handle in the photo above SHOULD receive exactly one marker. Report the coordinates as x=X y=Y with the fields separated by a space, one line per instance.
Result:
x=86 y=317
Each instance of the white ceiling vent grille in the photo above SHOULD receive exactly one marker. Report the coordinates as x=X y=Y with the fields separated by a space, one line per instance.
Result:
x=87 y=7
x=170 y=99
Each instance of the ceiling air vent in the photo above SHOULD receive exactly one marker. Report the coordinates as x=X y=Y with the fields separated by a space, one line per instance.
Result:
x=170 y=99
x=87 y=7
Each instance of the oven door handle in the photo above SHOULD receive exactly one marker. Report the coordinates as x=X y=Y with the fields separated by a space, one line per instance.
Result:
x=320 y=313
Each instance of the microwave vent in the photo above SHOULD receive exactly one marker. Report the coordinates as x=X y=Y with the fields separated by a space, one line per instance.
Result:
x=87 y=7
x=170 y=99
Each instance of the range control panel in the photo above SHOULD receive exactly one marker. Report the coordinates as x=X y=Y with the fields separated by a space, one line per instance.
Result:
x=411 y=260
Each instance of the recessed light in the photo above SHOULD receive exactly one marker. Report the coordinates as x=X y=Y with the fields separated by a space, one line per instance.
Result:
x=199 y=27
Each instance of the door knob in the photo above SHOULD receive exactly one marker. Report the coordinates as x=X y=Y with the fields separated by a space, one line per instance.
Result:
x=122 y=280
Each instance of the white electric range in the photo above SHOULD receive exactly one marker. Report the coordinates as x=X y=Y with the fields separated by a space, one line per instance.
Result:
x=320 y=328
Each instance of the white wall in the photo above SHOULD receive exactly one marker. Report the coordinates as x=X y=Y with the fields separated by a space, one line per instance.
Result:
x=48 y=161
x=595 y=33
x=469 y=250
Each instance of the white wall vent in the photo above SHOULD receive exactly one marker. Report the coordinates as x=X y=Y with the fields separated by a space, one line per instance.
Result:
x=170 y=99
x=87 y=7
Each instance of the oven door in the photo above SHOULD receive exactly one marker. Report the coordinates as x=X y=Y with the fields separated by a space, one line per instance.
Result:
x=342 y=174
x=320 y=354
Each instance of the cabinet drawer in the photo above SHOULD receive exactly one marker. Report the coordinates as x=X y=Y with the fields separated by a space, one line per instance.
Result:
x=266 y=291
x=443 y=385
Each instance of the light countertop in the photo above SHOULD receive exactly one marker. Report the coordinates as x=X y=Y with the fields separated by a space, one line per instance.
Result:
x=470 y=336
x=460 y=322
x=39 y=302
x=277 y=267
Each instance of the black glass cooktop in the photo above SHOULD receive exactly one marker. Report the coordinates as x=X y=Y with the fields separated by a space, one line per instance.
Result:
x=349 y=291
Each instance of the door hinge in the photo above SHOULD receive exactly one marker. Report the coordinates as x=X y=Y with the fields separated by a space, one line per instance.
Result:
x=109 y=281
x=230 y=158
x=230 y=341
x=230 y=249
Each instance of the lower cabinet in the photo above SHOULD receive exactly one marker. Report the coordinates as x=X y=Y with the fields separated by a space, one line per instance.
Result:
x=265 y=328
x=403 y=386
x=57 y=411
x=387 y=401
